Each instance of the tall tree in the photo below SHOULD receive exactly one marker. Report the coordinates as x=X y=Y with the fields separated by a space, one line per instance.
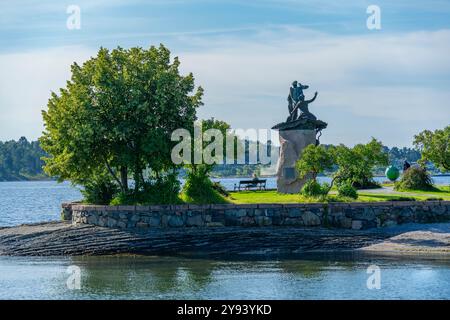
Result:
x=116 y=114
x=435 y=147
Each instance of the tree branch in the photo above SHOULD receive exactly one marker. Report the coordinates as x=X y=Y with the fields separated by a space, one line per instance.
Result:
x=110 y=170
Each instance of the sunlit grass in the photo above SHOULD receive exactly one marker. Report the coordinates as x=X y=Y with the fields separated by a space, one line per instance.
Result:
x=253 y=197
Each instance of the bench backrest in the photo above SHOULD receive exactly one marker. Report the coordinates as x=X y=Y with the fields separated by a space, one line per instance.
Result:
x=252 y=181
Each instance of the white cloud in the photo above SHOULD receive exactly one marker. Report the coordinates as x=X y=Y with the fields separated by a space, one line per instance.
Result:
x=387 y=86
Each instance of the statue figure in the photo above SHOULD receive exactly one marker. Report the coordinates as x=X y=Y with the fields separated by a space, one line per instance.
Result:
x=296 y=101
x=300 y=118
x=295 y=96
x=303 y=107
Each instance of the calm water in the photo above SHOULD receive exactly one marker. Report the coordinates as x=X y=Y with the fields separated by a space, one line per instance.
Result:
x=33 y=201
x=179 y=278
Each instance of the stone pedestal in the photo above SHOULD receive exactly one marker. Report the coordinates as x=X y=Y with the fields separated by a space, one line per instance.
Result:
x=292 y=142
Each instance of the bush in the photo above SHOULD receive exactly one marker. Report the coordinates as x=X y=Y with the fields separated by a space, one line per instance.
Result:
x=100 y=190
x=346 y=189
x=314 y=189
x=415 y=178
x=368 y=184
x=162 y=190
x=201 y=190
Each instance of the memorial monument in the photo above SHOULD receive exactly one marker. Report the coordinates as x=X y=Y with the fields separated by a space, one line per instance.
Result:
x=300 y=129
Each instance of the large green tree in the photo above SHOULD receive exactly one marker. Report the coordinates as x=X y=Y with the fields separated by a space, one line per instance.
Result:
x=116 y=115
x=435 y=147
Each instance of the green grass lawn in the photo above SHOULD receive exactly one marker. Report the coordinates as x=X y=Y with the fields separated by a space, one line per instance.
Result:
x=250 y=197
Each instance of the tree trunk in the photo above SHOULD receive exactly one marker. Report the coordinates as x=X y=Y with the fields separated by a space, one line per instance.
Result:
x=124 y=178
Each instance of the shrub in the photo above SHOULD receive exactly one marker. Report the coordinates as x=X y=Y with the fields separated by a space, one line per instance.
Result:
x=314 y=189
x=100 y=190
x=161 y=190
x=200 y=189
x=346 y=189
x=415 y=178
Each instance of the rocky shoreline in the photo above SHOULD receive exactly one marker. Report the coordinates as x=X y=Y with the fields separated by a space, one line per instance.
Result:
x=65 y=239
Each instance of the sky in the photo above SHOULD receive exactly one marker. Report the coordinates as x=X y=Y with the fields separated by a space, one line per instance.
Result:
x=388 y=83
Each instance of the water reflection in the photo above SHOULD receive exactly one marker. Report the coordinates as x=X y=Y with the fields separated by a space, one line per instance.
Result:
x=309 y=278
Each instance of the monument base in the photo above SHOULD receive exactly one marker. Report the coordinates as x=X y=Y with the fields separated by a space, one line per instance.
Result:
x=292 y=143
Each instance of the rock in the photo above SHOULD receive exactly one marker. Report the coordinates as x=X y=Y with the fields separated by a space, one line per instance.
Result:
x=292 y=142
x=142 y=225
x=102 y=222
x=294 y=212
x=346 y=223
x=195 y=221
x=154 y=221
x=92 y=220
x=293 y=222
x=214 y=224
x=175 y=221
x=121 y=225
x=357 y=224
x=111 y=223
x=263 y=221
x=390 y=223
x=310 y=219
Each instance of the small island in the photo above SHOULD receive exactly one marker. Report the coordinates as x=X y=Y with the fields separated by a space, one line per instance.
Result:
x=127 y=153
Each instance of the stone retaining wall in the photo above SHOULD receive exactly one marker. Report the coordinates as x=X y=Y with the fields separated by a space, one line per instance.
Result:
x=362 y=215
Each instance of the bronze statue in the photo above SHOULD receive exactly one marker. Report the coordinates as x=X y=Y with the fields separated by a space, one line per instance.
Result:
x=295 y=96
x=302 y=105
x=303 y=120
x=296 y=101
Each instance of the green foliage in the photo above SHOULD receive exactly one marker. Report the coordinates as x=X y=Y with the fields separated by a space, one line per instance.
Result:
x=415 y=178
x=161 y=190
x=20 y=160
x=314 y=160
x=314 y=189
x=357 y=164
x=117 y=113
x=199 y=189
x=435 y=147
x=100 y=189
x=220 y=189
x=346 y=189
x=397 y=156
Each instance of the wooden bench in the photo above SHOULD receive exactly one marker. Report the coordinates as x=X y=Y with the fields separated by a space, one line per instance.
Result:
x=257 y=184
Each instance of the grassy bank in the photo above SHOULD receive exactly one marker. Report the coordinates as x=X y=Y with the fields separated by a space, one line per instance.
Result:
x=251 y=197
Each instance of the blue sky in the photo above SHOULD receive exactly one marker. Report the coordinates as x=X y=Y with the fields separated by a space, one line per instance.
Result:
x=389 y=83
